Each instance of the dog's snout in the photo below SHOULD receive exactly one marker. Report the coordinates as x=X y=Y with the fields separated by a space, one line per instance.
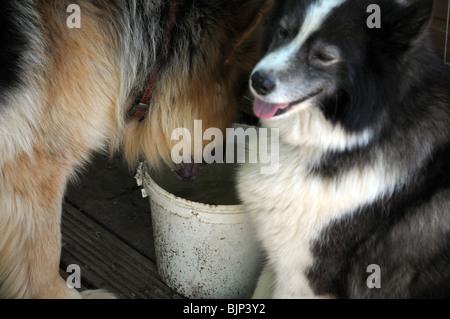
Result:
x=262 y=83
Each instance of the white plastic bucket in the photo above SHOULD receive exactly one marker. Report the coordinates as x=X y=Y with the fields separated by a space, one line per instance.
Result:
x=203 y=251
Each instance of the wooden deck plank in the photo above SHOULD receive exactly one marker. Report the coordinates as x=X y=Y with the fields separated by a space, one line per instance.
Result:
x=106 y=261
x=108 y=193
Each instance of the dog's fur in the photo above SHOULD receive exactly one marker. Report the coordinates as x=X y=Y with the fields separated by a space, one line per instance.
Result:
x=65 y=93
x=364 y=179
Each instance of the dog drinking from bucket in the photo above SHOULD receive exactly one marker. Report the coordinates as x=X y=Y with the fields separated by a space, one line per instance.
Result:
x=66 y=92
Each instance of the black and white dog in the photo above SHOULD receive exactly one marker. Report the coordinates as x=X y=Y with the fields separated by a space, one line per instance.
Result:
x=360 y=206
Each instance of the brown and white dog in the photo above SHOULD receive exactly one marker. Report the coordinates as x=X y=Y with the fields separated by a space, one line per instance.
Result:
x=67 y=90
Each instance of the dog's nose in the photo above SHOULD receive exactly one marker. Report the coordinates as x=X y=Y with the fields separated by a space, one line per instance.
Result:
x=262 y=83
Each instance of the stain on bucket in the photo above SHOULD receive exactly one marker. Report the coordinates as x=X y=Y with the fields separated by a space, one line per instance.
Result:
x=203 y=251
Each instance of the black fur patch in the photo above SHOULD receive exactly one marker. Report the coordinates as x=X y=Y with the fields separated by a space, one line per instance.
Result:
x=13 y=43
x=401 y=235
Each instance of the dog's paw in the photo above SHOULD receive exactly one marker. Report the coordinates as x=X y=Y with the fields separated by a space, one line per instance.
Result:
x=98 y=294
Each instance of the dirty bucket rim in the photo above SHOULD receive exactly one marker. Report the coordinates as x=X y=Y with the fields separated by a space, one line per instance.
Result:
x=206 y=208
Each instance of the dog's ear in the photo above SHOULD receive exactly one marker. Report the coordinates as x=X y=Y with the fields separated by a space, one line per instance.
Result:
x=404 y=26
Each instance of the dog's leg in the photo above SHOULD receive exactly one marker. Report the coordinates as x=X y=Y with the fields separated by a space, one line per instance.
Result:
x=266 y=282
x=35 y=259
x=31 y=192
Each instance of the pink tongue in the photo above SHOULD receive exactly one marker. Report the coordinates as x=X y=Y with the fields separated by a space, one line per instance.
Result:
x=266 y=110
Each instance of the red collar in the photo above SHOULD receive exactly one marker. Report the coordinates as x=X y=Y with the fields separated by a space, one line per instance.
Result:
x=141 y=109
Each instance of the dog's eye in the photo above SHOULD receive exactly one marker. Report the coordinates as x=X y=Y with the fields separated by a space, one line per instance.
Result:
x=322 y=58
x=323 y=54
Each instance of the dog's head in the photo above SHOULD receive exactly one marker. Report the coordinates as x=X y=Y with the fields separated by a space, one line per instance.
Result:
x=212 y=50
x=339 y=62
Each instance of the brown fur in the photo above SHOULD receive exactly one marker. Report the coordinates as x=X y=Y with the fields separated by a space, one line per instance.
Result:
x=206 y=93
x=77 y=110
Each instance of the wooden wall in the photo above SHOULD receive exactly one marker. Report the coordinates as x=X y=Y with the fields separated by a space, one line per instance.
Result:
x=438 y=27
